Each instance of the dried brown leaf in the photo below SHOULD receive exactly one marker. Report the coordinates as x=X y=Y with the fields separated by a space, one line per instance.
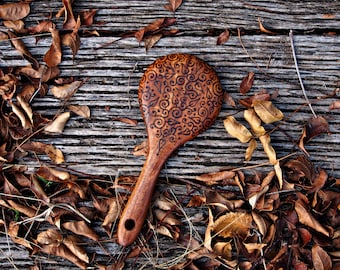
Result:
x=167 y=217
x=250 y=149
x=306 y=218
x=223 y=37
x=26 y=210
x=335 y=105
x=142 y=149
x=87 y=16
x=321 y=259
x=151 y=40
x=263 y=29
x=268 y=149
x=237 y=130
x=154 y=28
x=26 y=107
x=233 y=224
x=56 y=155
x=247 y=82
x=37 y=189
x=267 y=111
x=64 y=252
x=69 y=22
x=55 y=175
x=80 y=228
x=50 y=237
x=13 y=231
x=254 y=121
x=81 y=110
x=173 y=5
x=67 y=90
x=16 y=26
x=252 y=247
x=224 y=249
x=42 y=27
x=228 y=99
x=53 y=56
x=20 y=114
x=72 y=39
x=58 y=124
x=125 y=120
x=20 y=46
x=112 y=214
x=261 y=96
x=196 y=201
x=215 y=177
x=72 y=243
x=14 y=11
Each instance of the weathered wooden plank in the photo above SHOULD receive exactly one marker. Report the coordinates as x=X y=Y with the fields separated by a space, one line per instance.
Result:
x=101 y=146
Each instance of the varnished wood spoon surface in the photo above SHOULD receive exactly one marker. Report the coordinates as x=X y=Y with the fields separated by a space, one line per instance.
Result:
x=180 y=96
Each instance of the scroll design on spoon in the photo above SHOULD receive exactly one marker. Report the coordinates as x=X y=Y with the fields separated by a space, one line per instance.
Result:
x=179 y=95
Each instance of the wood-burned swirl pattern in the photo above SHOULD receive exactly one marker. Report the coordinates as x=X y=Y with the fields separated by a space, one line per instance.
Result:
x=179 y=96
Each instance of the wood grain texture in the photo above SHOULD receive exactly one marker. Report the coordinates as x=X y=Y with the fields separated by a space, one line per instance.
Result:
x=101 y=146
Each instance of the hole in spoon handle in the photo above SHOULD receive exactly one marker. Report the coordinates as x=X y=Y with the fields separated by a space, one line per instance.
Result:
x=135 y=211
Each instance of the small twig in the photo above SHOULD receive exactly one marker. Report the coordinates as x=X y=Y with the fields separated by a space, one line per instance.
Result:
x=298 y=72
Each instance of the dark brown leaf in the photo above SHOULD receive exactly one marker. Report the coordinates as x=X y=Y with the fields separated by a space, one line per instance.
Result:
x=42 y=27
x=72 y=39
x=53 y=56
x=69 y=22
x=247 y=82
x=87 y=16
x=223 y=37
x=14 y=11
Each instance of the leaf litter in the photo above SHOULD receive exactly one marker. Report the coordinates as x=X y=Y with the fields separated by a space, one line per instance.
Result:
x=294 y=205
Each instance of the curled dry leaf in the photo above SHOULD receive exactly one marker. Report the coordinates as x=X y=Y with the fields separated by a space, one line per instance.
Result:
x=69 y=22
x=58 y=124
x=260 y=96
x=87 y=16
x=237 y=130
x=267 y=112
x=255 y=122
x=232 y=224
x=173 y=5
x=26 y=107
x=215 y=177
x=16 y=110
x=42 y=27
x=247 y=82
x=223 y=249
x=72 y=39
x=53 y=56
x=263 y=29
x=142 y=149
x=113 y=213
x=250 y=149
x=252 y=247
x=151 y=40
x=67 y=90
x=55 y=175
x=268 y=148
x=14 y=11
x=223 y=37
x=13 y=232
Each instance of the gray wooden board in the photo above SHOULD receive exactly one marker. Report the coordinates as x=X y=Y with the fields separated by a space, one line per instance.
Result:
x=101 y=146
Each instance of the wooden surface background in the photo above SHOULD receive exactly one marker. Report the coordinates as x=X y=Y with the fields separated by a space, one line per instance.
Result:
x=101 y=146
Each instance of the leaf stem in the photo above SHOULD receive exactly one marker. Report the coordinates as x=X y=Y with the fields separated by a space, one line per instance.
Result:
x=291 y=38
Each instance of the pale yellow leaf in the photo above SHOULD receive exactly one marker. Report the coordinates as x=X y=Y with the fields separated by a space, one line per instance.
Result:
x=55 y=154
x=250 y=149
x=278 y=172
x=254 y=122
x=237 y=130
x=267 y=111
x=268 y=149
x=58 y=124
x=251 y=247
x=26 y=107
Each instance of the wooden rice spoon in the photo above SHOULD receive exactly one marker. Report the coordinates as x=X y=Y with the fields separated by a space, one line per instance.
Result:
x=180 y=96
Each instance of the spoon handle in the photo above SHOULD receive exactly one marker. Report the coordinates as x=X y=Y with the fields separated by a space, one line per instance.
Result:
x=135 y=211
